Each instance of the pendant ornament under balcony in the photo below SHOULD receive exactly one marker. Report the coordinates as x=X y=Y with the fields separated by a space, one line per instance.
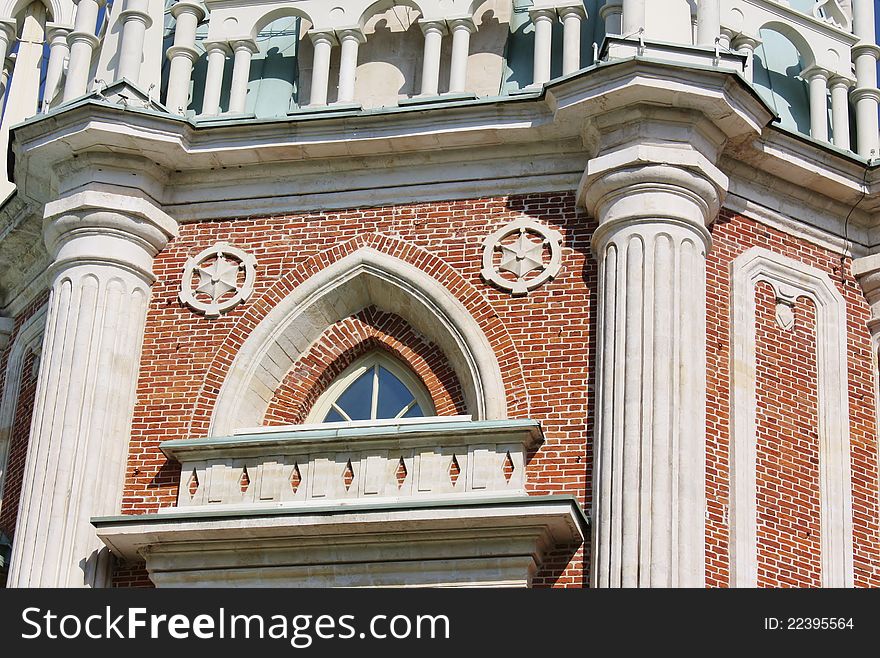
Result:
x=218 y=279
x=522 y=256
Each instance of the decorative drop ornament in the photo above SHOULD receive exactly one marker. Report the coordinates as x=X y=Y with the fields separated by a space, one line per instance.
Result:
x=218 y=279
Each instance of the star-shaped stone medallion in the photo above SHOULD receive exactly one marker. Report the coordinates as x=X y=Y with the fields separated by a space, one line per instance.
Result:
x=219 y=278
x=524 y=255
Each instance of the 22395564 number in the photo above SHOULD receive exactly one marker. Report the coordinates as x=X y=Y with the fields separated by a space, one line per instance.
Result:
x=808 y=623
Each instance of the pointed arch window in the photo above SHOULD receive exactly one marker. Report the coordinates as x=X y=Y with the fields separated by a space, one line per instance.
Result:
x=375 y=387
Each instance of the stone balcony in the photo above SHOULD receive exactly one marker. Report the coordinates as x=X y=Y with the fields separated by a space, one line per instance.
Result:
x=434 y=501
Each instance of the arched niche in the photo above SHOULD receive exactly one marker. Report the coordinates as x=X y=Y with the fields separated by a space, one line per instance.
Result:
x=778 y=62
x=365 y=277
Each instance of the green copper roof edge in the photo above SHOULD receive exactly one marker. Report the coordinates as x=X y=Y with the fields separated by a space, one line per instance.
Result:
x=495 y=501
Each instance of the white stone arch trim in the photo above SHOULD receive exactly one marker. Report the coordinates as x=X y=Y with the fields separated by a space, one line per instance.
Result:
x=60 y=11
x=790 y=279
x=363 y=278
x=28 y=339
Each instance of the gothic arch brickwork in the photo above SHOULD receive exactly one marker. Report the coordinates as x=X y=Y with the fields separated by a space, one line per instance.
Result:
x=346 y=341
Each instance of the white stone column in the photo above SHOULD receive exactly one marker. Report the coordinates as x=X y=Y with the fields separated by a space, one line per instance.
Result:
x=350 y=42
x=323 y=43
x=82 y=43
x=433 y=31
x=840 y=111
x=817 y=78
x=543 y=20
x=571 y=38
x=183 y=54
x=102 y=245
x=611 y=14
x=244 y=50
x=461 y=28
x=135 y=21
x=58 y=52
x=746 y=45
x=218 y=51
x=633 y=18
x=865 y=96
x=7 y=37
x=649 y=472
x=4 y=82
x=708 y=22
x=725 y=38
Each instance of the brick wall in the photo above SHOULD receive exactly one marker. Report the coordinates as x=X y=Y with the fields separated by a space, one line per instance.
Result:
x=544 y=342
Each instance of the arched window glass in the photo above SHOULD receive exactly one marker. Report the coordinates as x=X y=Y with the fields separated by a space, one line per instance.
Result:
x=376 y=387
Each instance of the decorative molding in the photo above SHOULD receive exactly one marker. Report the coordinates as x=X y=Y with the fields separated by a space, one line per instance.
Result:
x=522 y=257
x=218 y=280
x=790 y=280
x=28 y=339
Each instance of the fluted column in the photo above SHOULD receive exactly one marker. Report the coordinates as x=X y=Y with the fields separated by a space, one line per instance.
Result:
x=82 y=43
x=571 y=37
x=840 y=111
x=183 y=54
x=102 y=247
x=135 y=21
x=244 y=50
x=462 y=28
x=218 y=51
x=708 y=22
x=866 y=96
x=611 y=14
x=350 y=42
x=817 y=78
x=543 y=20
x=746 y=45
x=433 y=31
x=58 y=52
x=649 y=475
x=323 y=43
x=633 y=18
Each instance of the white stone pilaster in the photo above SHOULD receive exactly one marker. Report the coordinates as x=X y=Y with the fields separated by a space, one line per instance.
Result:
x=323 y=43
x=840 y=87
x=82 y=43
x=56 y=36
x=218 y=51
x=183 y=54
x=135 y=21
x=571 y=39
x=462 y=28
x=651 y=244
x=543 y=20
x=433 y=31
x=244 y=50
x=102 y=245
x=350 y=42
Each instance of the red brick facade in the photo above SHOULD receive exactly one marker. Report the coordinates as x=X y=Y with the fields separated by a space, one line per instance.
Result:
x=544 y=343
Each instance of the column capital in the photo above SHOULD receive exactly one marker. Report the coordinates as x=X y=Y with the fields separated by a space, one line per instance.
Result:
x=740 y=41
x=577 y=9
x=244 y=43
x=214 y=46
x=645 y=183
x=103 y=226
x=348 y=33
x=189 y=7
x=836 y=81
x=871 y=49
x=324 y=35
x=190 y=52
x=610 y=7
x=57 y=32
x=136 y=13
x=83 y=37
x=538 y=13
x=432 y=25
x=100 y=3
x=814 y=71
x=859 y=93
x=462 y=23
x=7 y=30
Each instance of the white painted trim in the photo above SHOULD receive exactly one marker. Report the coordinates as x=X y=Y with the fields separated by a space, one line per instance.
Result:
x=339 y=290
x=29 y=337
x=790 y=280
